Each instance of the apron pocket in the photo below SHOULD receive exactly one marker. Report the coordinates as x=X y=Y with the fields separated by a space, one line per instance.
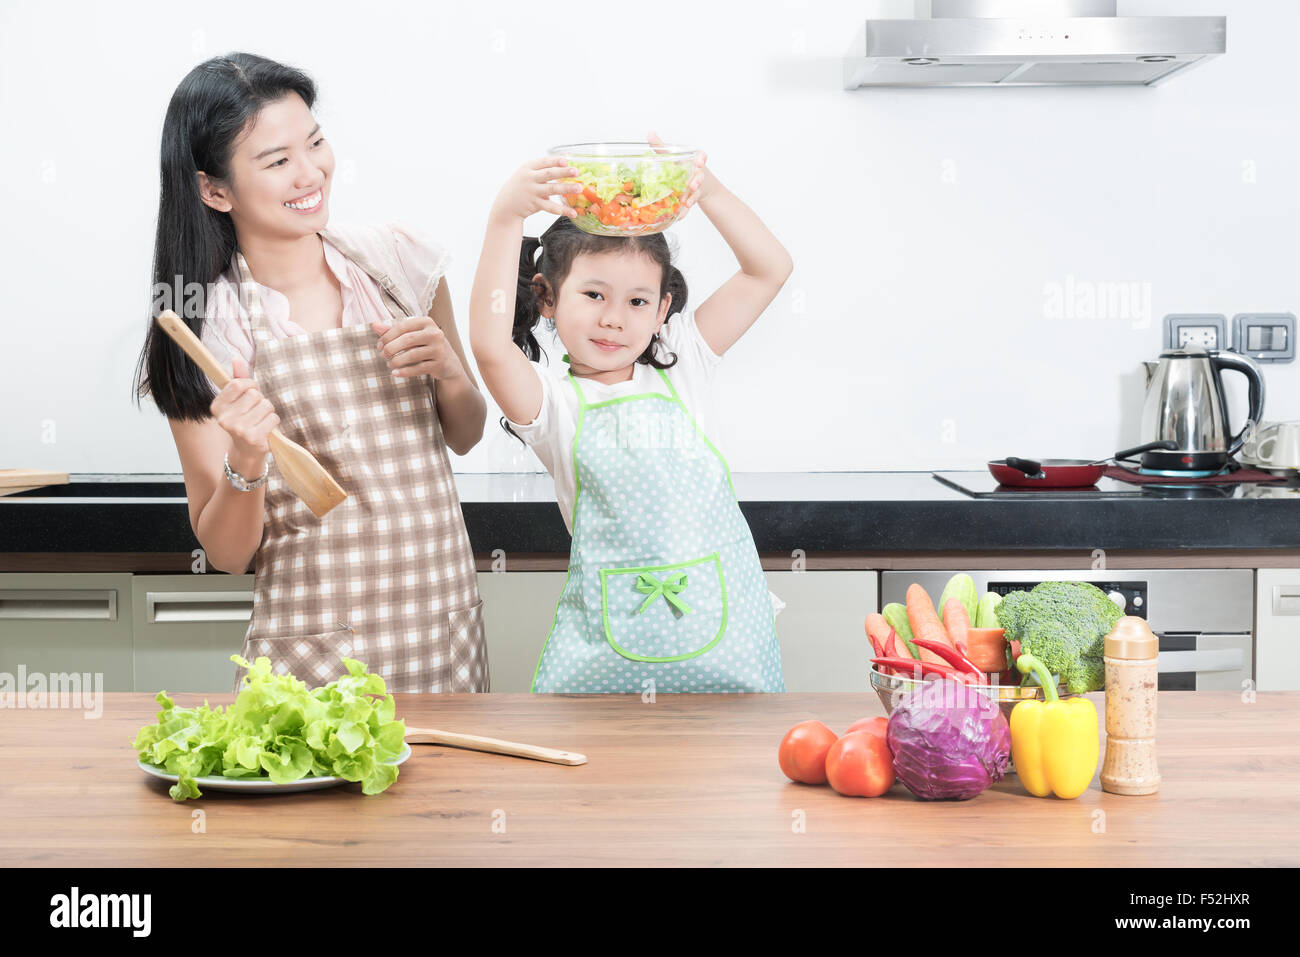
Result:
x=664 y=613
x=467 y=650
x=315 y=660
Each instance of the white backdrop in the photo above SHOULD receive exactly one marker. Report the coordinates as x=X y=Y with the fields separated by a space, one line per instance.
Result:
x=929 y=227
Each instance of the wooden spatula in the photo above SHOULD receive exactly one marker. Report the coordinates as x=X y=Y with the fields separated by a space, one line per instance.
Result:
x=307 y=477
x=493 y=745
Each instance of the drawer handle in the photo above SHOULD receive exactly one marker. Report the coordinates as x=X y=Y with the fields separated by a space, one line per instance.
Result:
x=1217 y=659
x=47 y=604
x=197 y=606
x=1286 y=600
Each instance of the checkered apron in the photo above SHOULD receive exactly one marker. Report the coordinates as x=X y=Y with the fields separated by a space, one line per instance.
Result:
x=387 y=577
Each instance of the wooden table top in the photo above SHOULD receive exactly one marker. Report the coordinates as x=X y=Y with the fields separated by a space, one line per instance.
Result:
x=687 y=780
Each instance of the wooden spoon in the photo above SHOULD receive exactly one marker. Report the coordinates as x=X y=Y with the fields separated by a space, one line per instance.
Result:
x=307 y=477
x=493 y=745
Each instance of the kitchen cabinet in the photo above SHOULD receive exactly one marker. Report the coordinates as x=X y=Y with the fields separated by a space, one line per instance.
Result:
x=186 y=628
x=518 y=611
x=823 y=644
x=1277 y=629
x=67 y=624
x=177 y=632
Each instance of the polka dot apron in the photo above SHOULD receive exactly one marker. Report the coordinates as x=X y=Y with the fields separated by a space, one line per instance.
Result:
x=386 y=577
x=665 y=591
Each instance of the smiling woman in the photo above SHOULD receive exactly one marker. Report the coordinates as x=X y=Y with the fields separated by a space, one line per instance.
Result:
x=344 y=338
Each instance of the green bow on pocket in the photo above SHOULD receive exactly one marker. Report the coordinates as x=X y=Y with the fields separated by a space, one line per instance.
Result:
x=669 y=588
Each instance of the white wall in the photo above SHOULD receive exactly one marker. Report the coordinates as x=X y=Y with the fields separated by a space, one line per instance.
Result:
x=925 y=224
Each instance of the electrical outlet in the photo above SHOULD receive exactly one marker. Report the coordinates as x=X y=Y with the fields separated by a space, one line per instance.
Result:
x=1207 y=330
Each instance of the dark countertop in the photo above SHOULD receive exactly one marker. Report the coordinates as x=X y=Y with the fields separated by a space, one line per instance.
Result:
x=812 y=511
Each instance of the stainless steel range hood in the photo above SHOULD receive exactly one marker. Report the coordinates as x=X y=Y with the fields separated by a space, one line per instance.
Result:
x=1029 y=43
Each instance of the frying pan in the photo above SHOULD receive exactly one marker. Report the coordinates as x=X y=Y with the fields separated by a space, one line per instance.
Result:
x=1062 y=473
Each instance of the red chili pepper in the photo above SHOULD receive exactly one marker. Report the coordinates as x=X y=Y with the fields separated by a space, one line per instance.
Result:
x=918 y=670
x=949 y=654
x=896 y=647
x=876 y=646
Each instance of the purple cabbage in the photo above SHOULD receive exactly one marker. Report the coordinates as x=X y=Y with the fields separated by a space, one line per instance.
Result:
x=949 y=742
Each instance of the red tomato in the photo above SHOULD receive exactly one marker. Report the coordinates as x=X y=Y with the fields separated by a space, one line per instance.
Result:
x=860 y=765
x=876 y=726
x=803 y=752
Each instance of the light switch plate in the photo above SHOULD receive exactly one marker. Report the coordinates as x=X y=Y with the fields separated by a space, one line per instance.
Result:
x=1264 y=336
x=1207 y=330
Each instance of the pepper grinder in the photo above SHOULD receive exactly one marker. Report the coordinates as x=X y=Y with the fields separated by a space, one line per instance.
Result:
x=1131 y=654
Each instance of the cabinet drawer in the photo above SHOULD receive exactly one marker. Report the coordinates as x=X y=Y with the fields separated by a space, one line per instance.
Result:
x=64 y=624
x=186 y=629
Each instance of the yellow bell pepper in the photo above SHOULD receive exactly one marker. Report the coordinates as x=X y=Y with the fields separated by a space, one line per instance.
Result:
x=1054 y=743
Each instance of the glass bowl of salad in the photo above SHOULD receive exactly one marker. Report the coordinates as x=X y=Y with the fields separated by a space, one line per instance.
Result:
x=628 y=189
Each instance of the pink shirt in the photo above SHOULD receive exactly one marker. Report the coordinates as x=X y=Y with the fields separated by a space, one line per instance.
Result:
x=225 y=327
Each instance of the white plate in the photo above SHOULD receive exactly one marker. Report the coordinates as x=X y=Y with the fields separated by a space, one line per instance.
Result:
x=260 y=785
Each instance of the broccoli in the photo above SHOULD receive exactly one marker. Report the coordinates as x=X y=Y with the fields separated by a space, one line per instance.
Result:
x=1064 y=625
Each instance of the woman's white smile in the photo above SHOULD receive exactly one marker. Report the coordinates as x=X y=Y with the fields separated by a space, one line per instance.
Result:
x=307 y=202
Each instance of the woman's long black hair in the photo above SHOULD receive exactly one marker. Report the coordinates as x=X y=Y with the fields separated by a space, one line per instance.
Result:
x=560 y=245
x=194 y=243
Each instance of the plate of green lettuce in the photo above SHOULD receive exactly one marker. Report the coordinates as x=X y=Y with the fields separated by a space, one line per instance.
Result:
x=278 y=736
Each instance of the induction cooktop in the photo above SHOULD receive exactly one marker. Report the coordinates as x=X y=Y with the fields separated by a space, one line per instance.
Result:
x=981 y=484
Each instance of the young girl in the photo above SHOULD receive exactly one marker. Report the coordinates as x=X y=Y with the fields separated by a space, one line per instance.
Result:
x=351 y=336
x=665 y=591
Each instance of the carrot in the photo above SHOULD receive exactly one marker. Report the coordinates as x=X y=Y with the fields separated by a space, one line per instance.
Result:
x=957 y=621
x=987 y=647
x=875 y=634
x=922 y=616
x=879 y=631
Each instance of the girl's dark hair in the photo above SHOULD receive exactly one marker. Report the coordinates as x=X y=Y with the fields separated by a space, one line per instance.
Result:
x=560 y=245
x=209 y=110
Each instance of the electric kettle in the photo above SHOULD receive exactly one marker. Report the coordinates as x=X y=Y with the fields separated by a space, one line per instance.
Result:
x=1185 y=403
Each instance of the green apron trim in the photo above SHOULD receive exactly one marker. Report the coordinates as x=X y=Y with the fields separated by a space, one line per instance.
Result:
x=605 y=574
x=532 y=688
x=687 y=412
x=573 y=453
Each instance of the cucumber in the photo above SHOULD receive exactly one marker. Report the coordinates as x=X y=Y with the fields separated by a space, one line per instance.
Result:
x=896 y=615
x=961 y=587
x=985 y=614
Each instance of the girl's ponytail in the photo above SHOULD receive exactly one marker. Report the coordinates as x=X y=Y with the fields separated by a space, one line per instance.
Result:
x=526 y=312
x=675 y=284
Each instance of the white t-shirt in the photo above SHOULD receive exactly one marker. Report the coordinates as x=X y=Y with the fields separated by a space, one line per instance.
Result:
x=551 y=434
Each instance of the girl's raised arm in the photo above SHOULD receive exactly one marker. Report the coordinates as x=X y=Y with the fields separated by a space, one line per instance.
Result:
x=764 y=265
x=492 y=301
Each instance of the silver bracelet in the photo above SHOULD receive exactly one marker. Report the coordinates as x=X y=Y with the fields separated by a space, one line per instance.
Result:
x=241 y=483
